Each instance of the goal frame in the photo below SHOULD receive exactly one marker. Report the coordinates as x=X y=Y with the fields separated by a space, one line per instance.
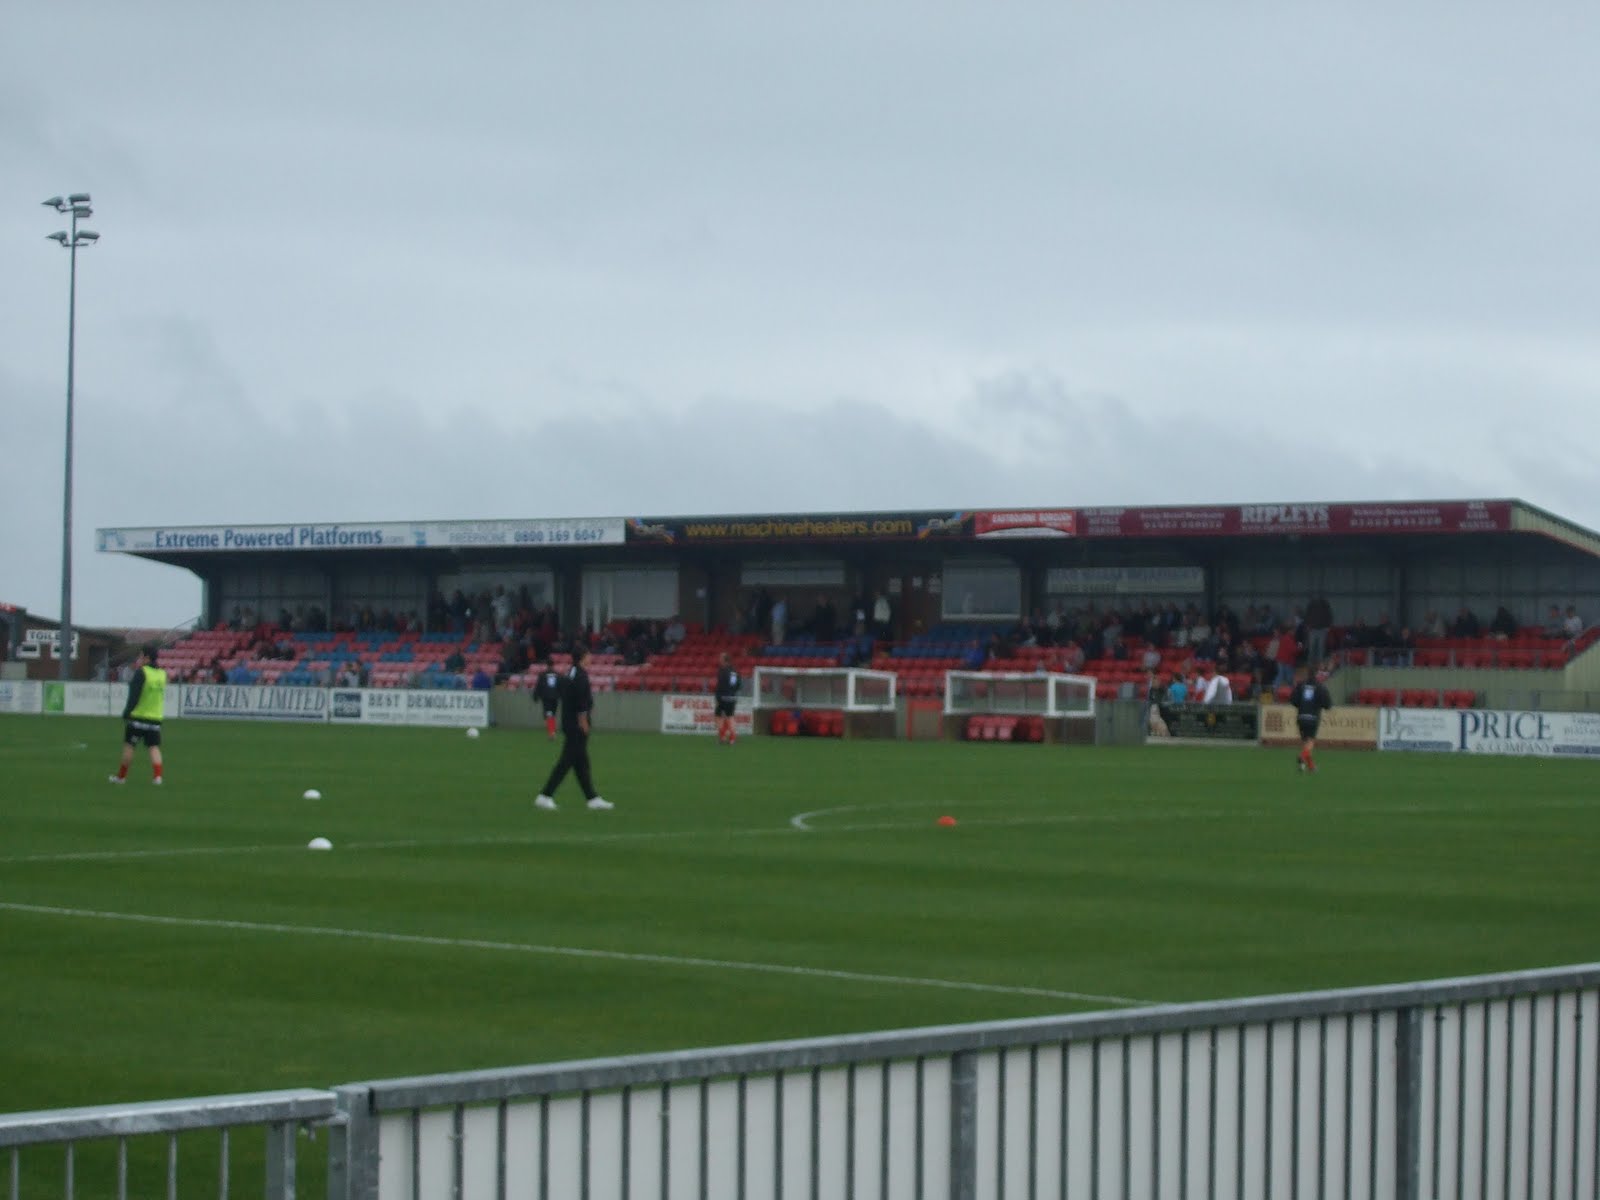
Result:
x=1053 y=680
x=850 y=674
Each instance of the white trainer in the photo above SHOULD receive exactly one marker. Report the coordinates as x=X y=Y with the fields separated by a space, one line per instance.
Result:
x=158 y=781
x=597 y=802
x=114 y=779
x=543 y=801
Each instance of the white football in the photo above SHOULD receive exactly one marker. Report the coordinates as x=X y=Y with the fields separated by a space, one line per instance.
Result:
x=472 y=733
x=319 y=843
x=313 y=794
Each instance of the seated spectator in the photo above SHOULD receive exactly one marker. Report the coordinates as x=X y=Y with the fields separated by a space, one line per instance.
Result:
x=1572 y=626
x=1555 y=625
x=350 y=674
x=1179 y=638
x=1433 y=626
x=481 y=682
x=455 y=663
x=1466 y=624
x=1073 y=658
x=674 y=633
x=1150 y=659
x=1246 y=658
x=1504 y=625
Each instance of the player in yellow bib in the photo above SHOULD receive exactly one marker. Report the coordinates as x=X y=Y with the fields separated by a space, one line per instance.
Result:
x=147 y=701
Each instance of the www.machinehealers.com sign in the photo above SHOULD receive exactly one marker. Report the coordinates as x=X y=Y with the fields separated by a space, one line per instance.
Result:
x=233 y=539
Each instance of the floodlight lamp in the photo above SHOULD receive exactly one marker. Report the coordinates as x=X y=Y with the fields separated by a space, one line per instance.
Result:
x=58 y=236
x=55 y=202
x=82 y=210
x=78 y=198
x=88 y=236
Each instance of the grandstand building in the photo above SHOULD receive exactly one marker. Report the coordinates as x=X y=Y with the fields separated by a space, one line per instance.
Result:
x=380 y=592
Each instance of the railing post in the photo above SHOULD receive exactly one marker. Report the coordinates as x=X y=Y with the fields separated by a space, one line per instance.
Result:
x=281 y=1160
x=353 y=1147
x=963 y=1125
x=1408 y=1104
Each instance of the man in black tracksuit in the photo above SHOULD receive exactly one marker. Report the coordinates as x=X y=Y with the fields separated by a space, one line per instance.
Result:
x=577 y=704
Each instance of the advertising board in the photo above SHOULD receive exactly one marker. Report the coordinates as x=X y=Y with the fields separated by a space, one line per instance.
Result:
x=1540 y=734
x=1234 y=520
x=85 y=699
x=1350 y=727
x=1491 y=731
x=400 y=706
x=237 y=539
x=20 y=696
x=697 y=714
x=237 y=702
x=1025 y=523
x=1125 y=581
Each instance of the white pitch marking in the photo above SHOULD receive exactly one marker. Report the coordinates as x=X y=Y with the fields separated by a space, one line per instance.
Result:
x=669 y=960
x=799 y=823
x=43 y=749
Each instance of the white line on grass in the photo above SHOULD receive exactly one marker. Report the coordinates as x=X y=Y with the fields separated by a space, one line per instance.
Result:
x=799 y=823
x=36 y=749
x=668 y=960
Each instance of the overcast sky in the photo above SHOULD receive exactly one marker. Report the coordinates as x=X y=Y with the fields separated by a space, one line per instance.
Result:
x=397 y=261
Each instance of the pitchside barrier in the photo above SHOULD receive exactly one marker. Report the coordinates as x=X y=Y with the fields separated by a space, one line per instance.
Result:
x=1477 y=1088
x=342 y=706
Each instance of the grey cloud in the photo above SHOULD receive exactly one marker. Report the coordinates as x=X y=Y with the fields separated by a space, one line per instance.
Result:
x=372 y=261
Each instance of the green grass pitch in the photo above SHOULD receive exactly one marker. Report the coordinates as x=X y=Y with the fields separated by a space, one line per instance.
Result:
x=178 y=941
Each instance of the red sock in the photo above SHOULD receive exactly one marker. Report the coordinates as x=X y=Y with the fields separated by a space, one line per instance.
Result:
x=157 y=770
x=122 y=771
x=550 y=726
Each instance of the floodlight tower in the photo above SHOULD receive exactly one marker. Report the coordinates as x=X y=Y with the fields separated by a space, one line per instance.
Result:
x=77 y=207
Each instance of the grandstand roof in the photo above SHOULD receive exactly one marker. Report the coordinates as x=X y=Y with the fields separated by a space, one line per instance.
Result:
x=187 y=544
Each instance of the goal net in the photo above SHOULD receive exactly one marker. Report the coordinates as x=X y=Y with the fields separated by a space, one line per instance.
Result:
x=848 y=689
x=1018 y=693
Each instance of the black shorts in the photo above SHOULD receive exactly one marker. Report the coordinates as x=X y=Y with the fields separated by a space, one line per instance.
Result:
x=725 y=708
x=148 y=732
x=1309 y=726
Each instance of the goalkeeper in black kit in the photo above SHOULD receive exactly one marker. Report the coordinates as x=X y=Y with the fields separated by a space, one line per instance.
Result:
x=1310 y=699
x=727 y=700
x=547 y=691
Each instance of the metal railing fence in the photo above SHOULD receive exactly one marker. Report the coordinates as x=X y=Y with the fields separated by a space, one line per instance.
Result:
x=1480 y=1088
